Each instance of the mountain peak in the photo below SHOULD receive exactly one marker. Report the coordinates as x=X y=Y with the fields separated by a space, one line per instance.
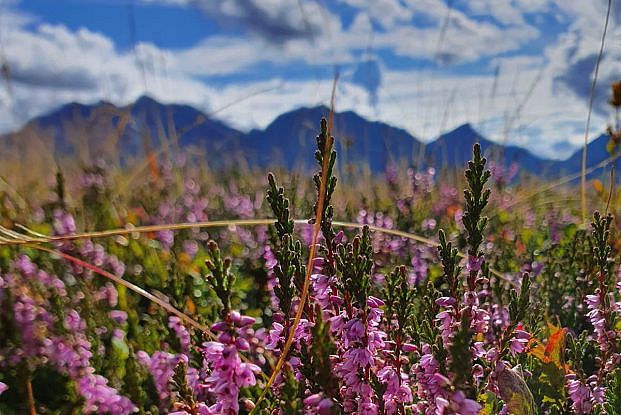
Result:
x=146 y=101
x=463 y=131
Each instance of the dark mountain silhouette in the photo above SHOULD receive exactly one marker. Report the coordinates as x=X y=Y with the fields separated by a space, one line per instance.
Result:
x=290 y=139
x=454 y=149
x=148 y=126
x=596 y=154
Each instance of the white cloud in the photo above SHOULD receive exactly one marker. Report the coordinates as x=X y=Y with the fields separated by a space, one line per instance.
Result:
x=274 y=21
x=385 y=12
x=504 y=11
x=529 y=103
x=323 y=39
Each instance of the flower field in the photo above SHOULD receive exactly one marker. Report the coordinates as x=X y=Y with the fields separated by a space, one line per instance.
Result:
x=418 y=292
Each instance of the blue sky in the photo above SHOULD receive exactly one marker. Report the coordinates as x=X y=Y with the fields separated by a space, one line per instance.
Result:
x=518 y=70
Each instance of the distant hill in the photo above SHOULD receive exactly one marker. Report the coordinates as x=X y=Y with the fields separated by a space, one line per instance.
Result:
x=596 y=153
x=104 y=129
x=85 y=131
x=454 y=149
x=290 y=140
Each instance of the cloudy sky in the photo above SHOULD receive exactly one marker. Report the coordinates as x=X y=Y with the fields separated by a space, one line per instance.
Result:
x=518 y=70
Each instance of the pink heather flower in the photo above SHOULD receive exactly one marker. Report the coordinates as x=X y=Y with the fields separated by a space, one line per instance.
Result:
x=446 y=320
x=102 y=399
x=617 y=305
x=3 y=388
x=463 y=406
x=200 y=407
x=274 y=337
x=272 y=281
x=474 y=263
x=499 y=316
x=107 y=293
x=190 y=247
x=318 y=404
x=409 y=348
x=519 y=341
x=174 y=323
x=73 y=322
x=93 y=180
x=228 y=374
x=446 y=301
x=419 y=270
x=24 y=265
x=428 y=224
x=430 y=384
x=161 y=365
x=64 y=224
x=166 y=238
x=479 y=320
x=579 y=394
x=362 y=340
x=322 y=289
x=118 y=316
x=397 y=391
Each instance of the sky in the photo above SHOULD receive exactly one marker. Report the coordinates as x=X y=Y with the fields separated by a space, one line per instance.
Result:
x=519 y=71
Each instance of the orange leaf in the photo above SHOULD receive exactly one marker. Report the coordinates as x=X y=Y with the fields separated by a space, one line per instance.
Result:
x=554 y=350
x=190 y=306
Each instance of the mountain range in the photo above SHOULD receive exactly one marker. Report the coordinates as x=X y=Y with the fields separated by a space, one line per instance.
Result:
x=87 y=131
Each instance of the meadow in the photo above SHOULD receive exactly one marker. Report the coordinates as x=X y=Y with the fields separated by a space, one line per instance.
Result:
x=192 y=291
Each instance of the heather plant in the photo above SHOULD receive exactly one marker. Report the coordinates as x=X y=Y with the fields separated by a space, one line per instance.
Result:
x=588 y=381
x=429 y=301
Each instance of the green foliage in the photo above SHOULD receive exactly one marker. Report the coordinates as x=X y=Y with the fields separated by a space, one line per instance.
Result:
x=316 y=365
x=460 y=364
x=325 y=144
x=563 y=282
x=423 y=330
x=139 y=386
x=476 y=198
x=182 y=391
x=60 y=187
x=400 y=300
x=290 y=269
x=280 y=206
x=601 y=248
x=354 y=262
x=613 y=394
x=519 y=305
x=220 y=278
x=450 y=263
x=291 y=394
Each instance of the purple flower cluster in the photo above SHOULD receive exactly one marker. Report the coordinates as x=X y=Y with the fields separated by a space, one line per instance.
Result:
x=161 y=365
x=600 y=317
x=434 y=391
x=602 y=312
x=99 y=398
x=175 y=324
x=491 y=337
x=227 y=373
x=398 y=392
x=361 y=341
x=584 y=395
x=57 y=339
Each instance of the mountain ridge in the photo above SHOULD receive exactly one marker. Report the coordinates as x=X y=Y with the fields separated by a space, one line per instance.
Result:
x=287 y=141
